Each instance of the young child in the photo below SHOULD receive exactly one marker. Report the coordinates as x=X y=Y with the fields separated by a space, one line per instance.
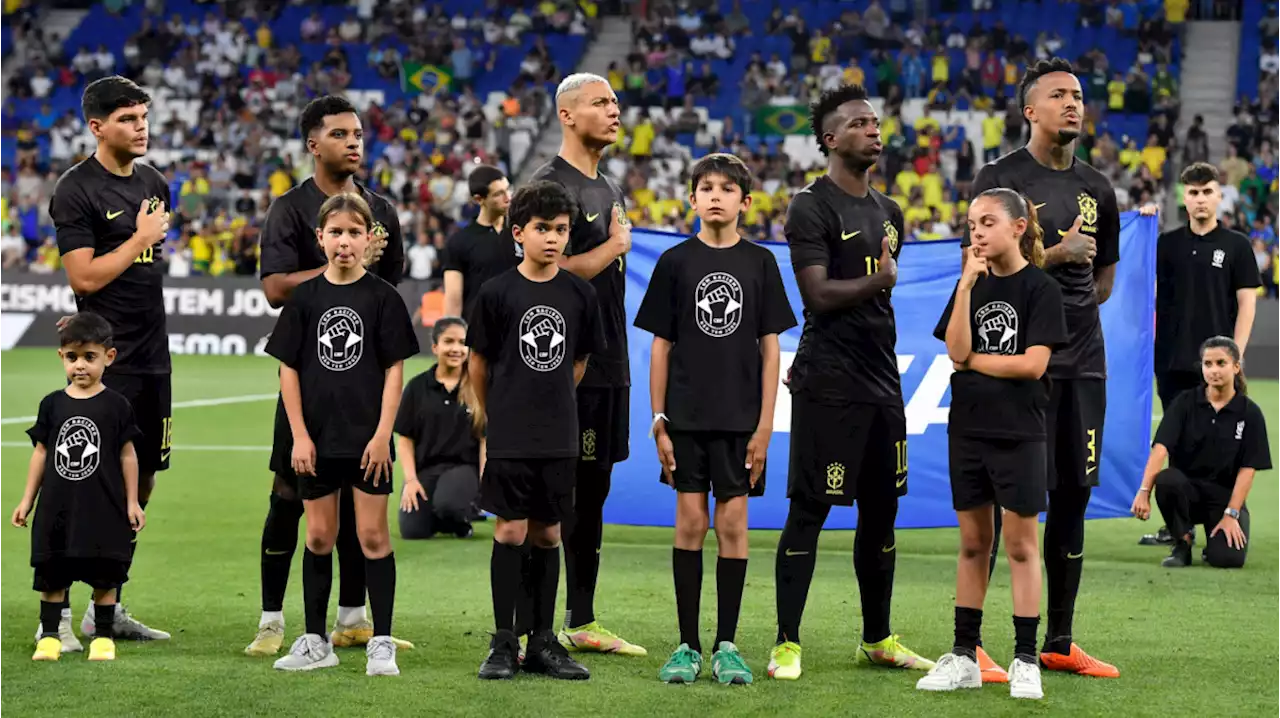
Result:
x=1002 y=323
x=85 y=471
x=437 y=437
x=531 y=330
x=342 y=340
x=715 y=306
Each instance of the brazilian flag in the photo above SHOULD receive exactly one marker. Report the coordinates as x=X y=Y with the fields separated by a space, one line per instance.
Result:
x=782 y=120
x=417 y=77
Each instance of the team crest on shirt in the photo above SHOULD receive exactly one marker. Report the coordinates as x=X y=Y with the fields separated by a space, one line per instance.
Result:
x=542 y=338
x=718 y=304
x=997 y=328
x=77 y=449
x=340 y=338
x=153 y=204
x=378 y=231
x=835 y=478
x=891 y=232
x=1219 y=257
x=589 y=445
x=1088 y=212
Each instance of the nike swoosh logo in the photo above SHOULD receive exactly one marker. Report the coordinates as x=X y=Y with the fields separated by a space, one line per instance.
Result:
x=889 y=548
x=1090 y=471
x=113 y=215
x=1038 y=206
x=850 y=235
x=1074 y=556
x=272 y=552
x=1062 y=233
x=789 y=552
x=593 y=217
x=901 y=482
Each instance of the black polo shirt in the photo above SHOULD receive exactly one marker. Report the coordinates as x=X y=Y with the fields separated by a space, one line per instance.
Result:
x=1214 y=445
x=1196 y=281
x=438 y=424
x=480 y=253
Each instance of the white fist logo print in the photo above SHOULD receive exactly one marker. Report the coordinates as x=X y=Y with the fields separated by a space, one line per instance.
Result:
x=542 y=338
x=77 y=449
x=340 y=340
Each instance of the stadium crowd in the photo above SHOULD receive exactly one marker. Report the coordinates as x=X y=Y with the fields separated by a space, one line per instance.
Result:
x=948 y=105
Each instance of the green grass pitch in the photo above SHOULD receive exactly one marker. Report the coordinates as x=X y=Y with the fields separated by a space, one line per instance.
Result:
x=1196 y=641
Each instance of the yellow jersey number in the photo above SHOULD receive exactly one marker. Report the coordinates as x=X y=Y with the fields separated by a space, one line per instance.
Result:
x=148 y=256
x=873 y=265
x=900 y=448
x=166 y=435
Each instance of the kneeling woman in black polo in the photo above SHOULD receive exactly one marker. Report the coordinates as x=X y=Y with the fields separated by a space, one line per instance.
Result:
x=1215 y=438
x=437 y=441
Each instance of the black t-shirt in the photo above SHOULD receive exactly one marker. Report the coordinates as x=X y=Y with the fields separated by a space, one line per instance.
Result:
x=480 y=254
x=713 y=305
x=82 y=510
x=1059 y=196
x=341 y=339
x=848 y=355
x=94 y=208
x=609 y=365
x=438 y=424
x=1214 y=445
x=1196 y=282
x=1009 y=314
x=531 y=333
x=289 y=241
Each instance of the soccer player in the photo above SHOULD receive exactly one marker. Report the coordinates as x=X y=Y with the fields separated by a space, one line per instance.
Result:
x=589 y=116
x=85 y=470
x=531 y=331
x=715 y=306
x=848 y=427
x=437 y=438
x=111 y=213
x=342 y=340
x=1001 y=325
x=1206 y=286
x=291 y=255
x=1076 y=206
x=1215 y=439
x=481 y=250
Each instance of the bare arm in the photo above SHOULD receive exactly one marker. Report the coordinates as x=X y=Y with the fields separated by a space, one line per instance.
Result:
x=478 y=371
x=821 y=294
x=35 y=474
x=453 y=293
x=579 y=369
x=1155 y=463
x=279 y=287
x=959 y=333
x=1104 y=280
x=592 y=262
x=1031 y=365
x=659 y=366
x=404 y=447
x=1244 y=482
x=291 y=394
x=1246 y=309
x=771 y=358
x=392 y=389
x=129 y=465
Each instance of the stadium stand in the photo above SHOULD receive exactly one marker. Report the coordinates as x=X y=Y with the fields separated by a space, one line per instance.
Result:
x=449 y=84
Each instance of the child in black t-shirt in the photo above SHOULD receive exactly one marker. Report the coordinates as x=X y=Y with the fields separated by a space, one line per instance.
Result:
x=715 y=306
x=531 y=330
x=342 y=340
x=1001 y=325
x=85 y=471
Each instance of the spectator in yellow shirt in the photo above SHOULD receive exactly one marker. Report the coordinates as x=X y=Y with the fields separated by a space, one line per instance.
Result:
x=819 y=48
x=941 y=68
x=1130 y=156
x=1115 y=93
x=279 y=182
x=642 y=136
x=1154 y=156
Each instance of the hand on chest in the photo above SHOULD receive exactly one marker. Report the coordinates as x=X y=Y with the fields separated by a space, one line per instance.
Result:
x=857 y=240
x=1057 y=209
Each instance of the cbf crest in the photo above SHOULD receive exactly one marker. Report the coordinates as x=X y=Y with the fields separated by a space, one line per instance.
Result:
x=718 y=304
x=340 y=338
x=77 y=449
x=1088 y=211
x=542 y=338
x=379 y=231
x=891 y=232
x=153 y=204
x=835 y=478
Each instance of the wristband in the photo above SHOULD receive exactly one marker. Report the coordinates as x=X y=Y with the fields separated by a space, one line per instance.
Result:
x=656 y=418
x=1144 y=491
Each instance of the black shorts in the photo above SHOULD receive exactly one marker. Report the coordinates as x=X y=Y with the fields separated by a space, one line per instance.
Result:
x=57 y=574
x=1010 y=472
x=840 y=452
x=604 y=422
x=538 y=489
x=712 y=462
x=151 y=396
x=333 y=475
x=1170 y=384
x=282 y=447
x=1073 y=423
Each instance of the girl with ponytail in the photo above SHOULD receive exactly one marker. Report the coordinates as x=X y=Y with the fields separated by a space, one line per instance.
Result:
x=1000 y=327
x=439 y=437
x=1215 y=439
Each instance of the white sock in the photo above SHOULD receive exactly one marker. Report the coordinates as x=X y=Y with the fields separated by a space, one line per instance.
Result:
x=351 y=615
x=269 y=616
x=66 y=612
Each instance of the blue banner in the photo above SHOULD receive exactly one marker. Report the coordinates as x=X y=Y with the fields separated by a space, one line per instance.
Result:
x=926 y=275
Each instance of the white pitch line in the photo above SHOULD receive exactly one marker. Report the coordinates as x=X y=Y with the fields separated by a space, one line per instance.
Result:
x=176 y=447
x=193 y=403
